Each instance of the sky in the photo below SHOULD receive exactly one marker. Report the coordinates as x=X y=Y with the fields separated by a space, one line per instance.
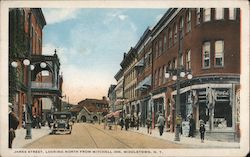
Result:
x=90 y=43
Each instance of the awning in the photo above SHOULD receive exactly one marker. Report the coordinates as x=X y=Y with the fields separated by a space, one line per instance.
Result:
x=144 y=84
x=140 y=63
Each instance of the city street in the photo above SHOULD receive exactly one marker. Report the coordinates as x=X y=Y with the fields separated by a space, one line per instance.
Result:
x=85 y=135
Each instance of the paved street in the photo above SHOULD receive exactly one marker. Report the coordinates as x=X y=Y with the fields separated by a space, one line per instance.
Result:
x=86 y=135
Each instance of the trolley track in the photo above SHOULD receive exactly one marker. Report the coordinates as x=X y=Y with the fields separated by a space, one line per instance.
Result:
x=113 y=137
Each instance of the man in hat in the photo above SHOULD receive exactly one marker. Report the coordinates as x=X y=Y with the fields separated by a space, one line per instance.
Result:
x=13 y=124
x=161 y=123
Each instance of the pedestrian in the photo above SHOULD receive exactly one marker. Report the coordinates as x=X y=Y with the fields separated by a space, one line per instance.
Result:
x=138 y=122
x=132 y=121
x=160 y=123
x=149 y=125
x=13 y=124
x=191 y=126
x=121 y=122
x=202 y=131
x=127 y=121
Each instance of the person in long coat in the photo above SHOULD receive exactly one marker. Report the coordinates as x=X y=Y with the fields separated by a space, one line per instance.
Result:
x=121 y=122
x=149 y=125
x=13 y=124
x=191 y=126
x=161 y=123
x=127 y=121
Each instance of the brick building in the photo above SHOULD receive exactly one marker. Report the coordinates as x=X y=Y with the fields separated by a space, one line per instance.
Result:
x=25 y=42
x=90 y=110
x=206 y=43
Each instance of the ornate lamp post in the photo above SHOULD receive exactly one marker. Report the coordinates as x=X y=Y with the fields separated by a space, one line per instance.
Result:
x=176 y=74
x=31 y=67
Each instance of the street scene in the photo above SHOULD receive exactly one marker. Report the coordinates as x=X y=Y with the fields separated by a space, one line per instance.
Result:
x=163 y=78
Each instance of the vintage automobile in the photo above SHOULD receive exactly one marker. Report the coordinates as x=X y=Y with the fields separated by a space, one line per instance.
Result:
x=62 y=122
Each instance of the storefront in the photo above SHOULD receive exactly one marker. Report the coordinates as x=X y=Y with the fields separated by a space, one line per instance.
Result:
x=158 y=106
x=215 y=104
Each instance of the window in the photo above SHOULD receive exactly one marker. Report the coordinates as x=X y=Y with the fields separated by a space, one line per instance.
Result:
x=156 y=77
x=206 y=55
x=174 y=64
x=219 y=13
x=188 y=19
x=160 y=76
x=206 y=14
x=219 y=53
x=232 y=13
x=165 y=41
x=181 y=24
x=156 y=49
x=170 y=38
x=188 y=60
x=163 y=74
x=169 y=65
x=160 y=47
x=181 y=60
x=175 y=33
x=198 y=16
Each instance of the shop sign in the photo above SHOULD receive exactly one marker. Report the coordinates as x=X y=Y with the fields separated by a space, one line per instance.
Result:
x=222 y=93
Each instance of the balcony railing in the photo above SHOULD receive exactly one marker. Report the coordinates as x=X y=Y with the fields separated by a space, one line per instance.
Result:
x=43 y=85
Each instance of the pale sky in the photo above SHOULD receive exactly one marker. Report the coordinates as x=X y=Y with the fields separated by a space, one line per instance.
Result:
x=90 y=44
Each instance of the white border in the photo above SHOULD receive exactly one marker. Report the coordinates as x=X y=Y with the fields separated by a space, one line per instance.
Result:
x=244 y=109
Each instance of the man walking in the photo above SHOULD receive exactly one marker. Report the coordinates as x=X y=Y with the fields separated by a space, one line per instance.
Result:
x=161 y=122
x=13 y=124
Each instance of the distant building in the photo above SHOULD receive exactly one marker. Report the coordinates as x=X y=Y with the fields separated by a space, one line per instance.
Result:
x=90 y=110
x=112 y=97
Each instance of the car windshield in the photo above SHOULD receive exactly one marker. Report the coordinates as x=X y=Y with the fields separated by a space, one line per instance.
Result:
x=62 y=116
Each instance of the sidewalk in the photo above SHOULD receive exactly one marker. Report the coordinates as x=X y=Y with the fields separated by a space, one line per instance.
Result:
x=191 y=142
x=21 y=142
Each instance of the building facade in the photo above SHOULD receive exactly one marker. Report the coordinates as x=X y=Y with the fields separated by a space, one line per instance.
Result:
x=205 y=42
x=90 y=110
x=25 y=42
x=130 y=80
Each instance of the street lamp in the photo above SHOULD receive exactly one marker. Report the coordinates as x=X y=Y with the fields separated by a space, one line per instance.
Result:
x=26 y=62
x=177 y=73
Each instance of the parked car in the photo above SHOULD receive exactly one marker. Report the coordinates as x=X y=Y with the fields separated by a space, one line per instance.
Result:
x=62 y=122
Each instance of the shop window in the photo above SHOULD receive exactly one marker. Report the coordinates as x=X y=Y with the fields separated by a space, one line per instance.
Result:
x=219 y=13
x=198 y=16
x=206 y=55
x=188 y=21
x=219 y=53
x=206 y=14
x=222 y=115
x=232 y=13
x=188 y=60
